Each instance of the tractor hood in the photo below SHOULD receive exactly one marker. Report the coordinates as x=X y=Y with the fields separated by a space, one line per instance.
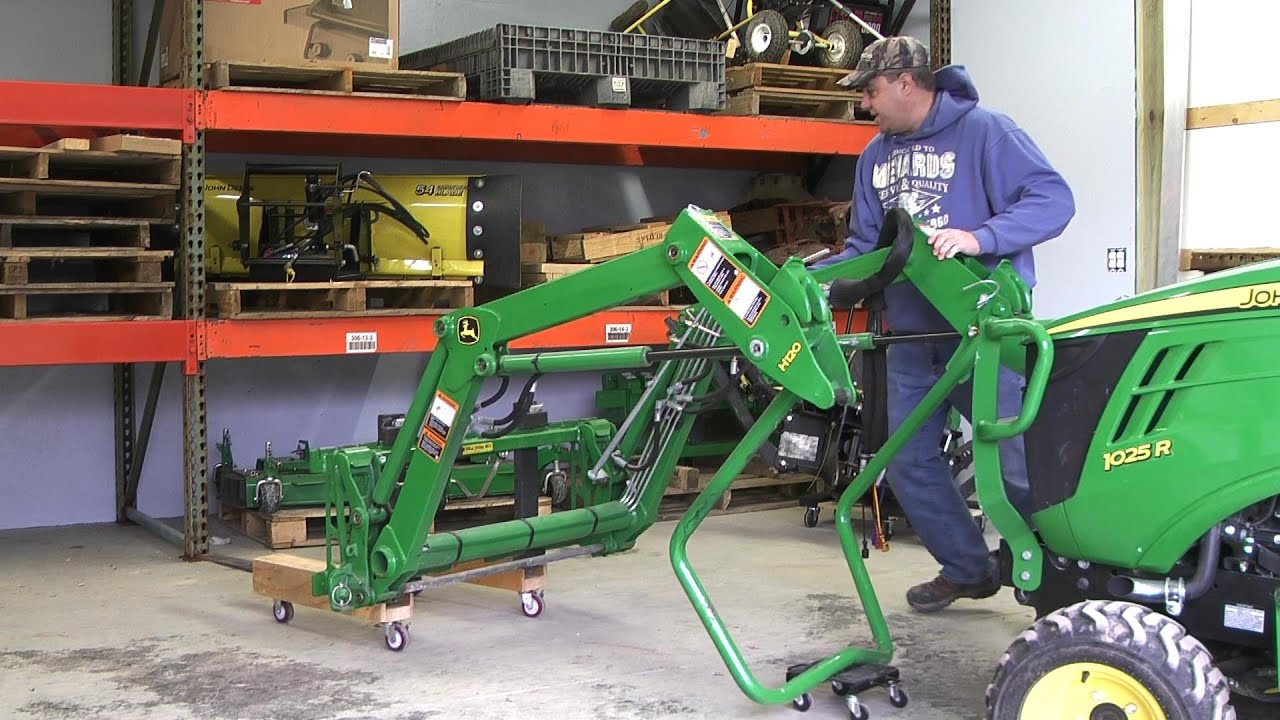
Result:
x=1249 y=288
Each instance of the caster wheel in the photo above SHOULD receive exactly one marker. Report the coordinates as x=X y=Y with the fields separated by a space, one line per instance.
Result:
x=858 y=711
x=887 y=530
x=283 y=610
x=839 y=688
x=397 y=636
x=897 y=696
x=811 y=517
x=531 y=604
x=803 y=703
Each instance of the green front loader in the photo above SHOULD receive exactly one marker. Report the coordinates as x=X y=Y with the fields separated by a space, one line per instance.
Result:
x=1153 y=549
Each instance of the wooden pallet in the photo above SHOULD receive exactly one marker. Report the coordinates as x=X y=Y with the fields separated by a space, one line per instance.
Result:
x=35 y=231
x=1223 y=259
x=29 y=196
x=320 y=80
x=35 y=265
x=605 y=242
x=748 y=493
x=791 y=90
x=773 y=75
x=320 y=299
x=135 y=159
x=824 y=104
x=533 y=275
x=57 y=301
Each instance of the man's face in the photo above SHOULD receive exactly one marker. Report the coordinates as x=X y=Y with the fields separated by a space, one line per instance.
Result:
x=887 y=100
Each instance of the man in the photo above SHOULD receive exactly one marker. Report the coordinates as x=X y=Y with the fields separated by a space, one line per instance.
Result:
x=977 y=183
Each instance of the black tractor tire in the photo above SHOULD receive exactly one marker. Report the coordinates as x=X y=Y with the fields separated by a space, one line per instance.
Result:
x=766 y=37
x=1130 y=641
x=845 y=46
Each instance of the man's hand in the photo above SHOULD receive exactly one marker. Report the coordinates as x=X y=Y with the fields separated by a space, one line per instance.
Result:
x=949 y=242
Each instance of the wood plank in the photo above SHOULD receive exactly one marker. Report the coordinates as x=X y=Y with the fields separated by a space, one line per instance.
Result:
x=82 y=252
x=533 y=253
x=68 y=144
x=1245 y=113
x=285 y=576
x=87 y=188
x=1212 y=260
x=357 y=82
x=72 y=222
x=86 y=288
x=774 y=75
x=136 y=144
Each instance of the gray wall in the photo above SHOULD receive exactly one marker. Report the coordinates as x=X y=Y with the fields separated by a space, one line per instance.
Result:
x=1078 y=106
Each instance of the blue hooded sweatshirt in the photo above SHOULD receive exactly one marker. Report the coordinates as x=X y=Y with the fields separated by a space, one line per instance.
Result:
x=966 y=167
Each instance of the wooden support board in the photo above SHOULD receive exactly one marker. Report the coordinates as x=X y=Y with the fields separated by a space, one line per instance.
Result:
x=30 y=196
x=325 y=299
x=320 y=80
x=120 y=158
x=284 y=576
x=1225 y=258
x=746 y=493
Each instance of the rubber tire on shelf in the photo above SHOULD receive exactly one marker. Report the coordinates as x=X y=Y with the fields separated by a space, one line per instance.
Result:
x=897 y=696
x=270 y=495
x=811 y=517
x=776 y=25
x=283 y=611
x=397 y=637
x=849 y=37
x=1152 y=649
x=803 y=703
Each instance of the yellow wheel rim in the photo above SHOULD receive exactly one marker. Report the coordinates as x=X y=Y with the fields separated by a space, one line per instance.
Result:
x=1089 y=691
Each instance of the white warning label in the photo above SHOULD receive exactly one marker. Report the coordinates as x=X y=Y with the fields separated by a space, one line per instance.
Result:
x=435 y=431
x=1243 y=617
x=724 y=278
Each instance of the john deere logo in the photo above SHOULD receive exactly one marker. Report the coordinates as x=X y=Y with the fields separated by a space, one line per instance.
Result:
x=468 y=330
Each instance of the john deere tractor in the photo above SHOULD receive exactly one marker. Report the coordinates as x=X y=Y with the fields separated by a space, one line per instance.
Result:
x=1152 y=553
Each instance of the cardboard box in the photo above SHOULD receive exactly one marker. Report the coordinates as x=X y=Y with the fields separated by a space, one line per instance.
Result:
x=287 y=32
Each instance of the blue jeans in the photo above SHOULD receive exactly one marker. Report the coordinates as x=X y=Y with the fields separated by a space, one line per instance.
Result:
x=920 y=478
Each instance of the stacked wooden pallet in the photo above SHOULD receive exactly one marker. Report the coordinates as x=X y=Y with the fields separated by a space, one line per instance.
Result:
x=794 y=90
x=755 y=489
x=75 y=228
x=554 y=257
x=248 y=300
x=321 y=80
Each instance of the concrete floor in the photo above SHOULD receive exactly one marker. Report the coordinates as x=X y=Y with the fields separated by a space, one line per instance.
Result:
x=105 y=622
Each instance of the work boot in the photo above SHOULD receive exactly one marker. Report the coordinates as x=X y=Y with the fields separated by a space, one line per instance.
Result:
x=941 y=592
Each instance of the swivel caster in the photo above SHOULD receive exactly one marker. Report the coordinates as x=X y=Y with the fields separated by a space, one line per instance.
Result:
x=811 y=517
x=531 y=604
x=897 y=696
x=803 y=703
x=397 y=635
x=857 y=711
x=283 y=610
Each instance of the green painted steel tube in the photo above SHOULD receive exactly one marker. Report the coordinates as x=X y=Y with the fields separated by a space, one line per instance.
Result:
x=999 y=329
x=443 y=550
x=575 y=360
x=1276 y=597
x=702 y=605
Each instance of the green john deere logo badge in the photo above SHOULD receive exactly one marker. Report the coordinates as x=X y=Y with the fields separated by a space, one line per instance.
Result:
x=468 y=330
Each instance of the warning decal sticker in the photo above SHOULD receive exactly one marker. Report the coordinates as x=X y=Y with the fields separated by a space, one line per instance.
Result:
x=719 y=273
x=435 y=431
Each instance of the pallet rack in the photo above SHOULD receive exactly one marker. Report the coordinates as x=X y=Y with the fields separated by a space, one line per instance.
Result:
x=32 y=113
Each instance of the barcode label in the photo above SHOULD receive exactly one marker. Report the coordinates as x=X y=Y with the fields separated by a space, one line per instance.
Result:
x=380 y=48
x=362 y=342
x=617 y=332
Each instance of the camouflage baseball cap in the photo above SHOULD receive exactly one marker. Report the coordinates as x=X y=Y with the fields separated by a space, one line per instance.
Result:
x=891 y=53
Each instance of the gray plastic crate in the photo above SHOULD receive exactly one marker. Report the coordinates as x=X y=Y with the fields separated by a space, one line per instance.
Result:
x=527 y=63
